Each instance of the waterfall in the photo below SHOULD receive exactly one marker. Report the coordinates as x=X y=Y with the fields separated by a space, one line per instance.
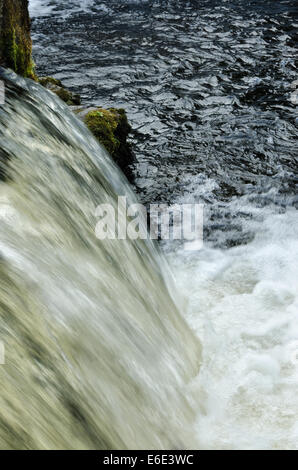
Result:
x=97 y=355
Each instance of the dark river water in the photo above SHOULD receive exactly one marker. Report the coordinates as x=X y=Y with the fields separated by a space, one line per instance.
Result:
x=208 y=87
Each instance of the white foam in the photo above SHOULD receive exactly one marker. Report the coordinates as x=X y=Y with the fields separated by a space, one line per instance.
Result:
x=39 y=8
x=243 y=303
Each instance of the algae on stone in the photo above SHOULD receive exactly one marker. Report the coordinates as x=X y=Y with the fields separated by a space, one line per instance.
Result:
x=111 y=128
x=57 y=87
x=15 y=39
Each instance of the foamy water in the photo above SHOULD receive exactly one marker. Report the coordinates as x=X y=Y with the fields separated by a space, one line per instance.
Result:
x=39 y=8
x=243 y=303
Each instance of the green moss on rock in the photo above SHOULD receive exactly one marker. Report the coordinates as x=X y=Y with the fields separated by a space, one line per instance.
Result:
x=57 y=87
x=103 y=124
x=15 y=39
x=49 y=81
x=111 y=128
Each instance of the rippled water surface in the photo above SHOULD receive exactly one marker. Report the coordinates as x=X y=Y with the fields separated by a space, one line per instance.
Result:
x=206 y=83
x=209 y=87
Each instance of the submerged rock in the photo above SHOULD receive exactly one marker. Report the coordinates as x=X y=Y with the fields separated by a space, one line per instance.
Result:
x=15 y=39
x=57 y=87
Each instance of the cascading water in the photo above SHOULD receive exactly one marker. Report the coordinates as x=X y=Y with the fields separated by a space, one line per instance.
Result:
x=243 y=304
x=97 y=355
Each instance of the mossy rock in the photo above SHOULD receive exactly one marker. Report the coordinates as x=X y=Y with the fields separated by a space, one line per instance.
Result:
x=47 y=82
x=15 y=38
x=57 y=87
x=111 y=128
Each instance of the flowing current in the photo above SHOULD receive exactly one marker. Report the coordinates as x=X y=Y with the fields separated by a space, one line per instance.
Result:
x=209 y=87
x=97 y=353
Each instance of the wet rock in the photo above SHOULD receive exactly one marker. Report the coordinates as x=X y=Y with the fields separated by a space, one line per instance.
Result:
x=15 y=38
x=111 y=128
x=57 y=87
